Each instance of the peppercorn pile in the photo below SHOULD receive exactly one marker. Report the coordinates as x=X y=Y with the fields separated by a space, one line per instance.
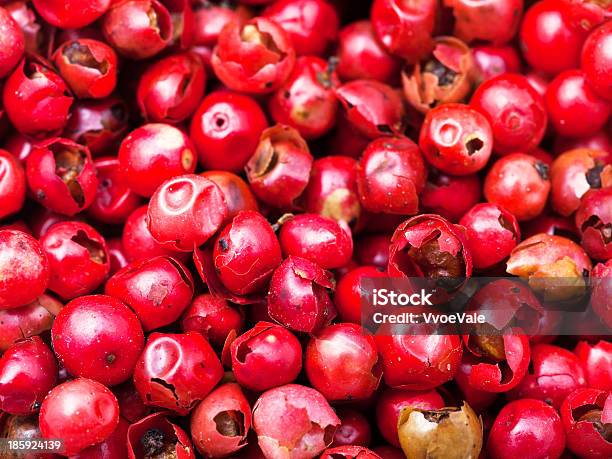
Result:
x=193 y=193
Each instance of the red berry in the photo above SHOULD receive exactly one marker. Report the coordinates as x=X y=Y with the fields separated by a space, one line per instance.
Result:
x=71 y=14
x=155 y=435
x=596 y=62
x=12 y=184
x=451 y=197
x=354 y=429
x=492 y=61
x=237 y=193
x=12 y=42
x=597 y=361
x=594 y=221
x=348 y=297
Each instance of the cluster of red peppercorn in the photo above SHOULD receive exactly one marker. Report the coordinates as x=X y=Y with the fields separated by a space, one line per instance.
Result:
x=192 y=191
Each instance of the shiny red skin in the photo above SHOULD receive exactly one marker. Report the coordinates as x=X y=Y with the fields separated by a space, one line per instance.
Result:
x=266 y=356
x=583 y=435
x=12 y=42
x=349 y=452
x=114 y=201
x=594 y=221
x=306 y=101
x=341 y=362
x=243 y=63
x=98 y=124
x=492 y=233
x=348 y=292
x=293 y=421
x=493 y=21
x=279 y=170
x=492 y=61
x=129 y=29
x=116 y=254
x=98 y=337
x=601 y=140
x=78 y=258
x=556 y=373
x=171 y=89
x=27 y=321
x=575 y=110
x=552 y=34
x=19 y=146
x=177 y=371
x=29 y=23
x=449 y=196
x=551 y=225
x=419 y=362
x=210 y=19
x=596 y=60
x=224 y=408
x=81 y=412
x=188 y=206
x=172 y=435
x=354 y=429
x=391 y=403
x=238 y=194
x=319 y=239
x=479 y=400
x=311 y=25
x=575 y=172
x=157 y=289
x=405 y=29
x=87 y=79
x=37 y=106
x=114 y=447
x=154 y=153
x=24 y=269
x=56 y=158
x=508 y=179
x=226 y=129
x=456 y=139
x=596 y=359
x=332 y=189
x=71 y=14
x=138 y=243
x=373 y=249
x=12 y=184
x=515 y=110
x=372 y=108
x=28 y=371
x=361 y=56
x=601 y=281
x=526 y=428
x=390 y=175
x=298 y=297
x=213 y=317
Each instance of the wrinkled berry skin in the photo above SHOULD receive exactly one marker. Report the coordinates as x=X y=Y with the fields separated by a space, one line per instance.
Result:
x=185 y=212
x=176 y=371
x=266 y=346
x=36 y=99
x=98 y=337
x=62 y=176
x=246 y=62
x=24 y=269
x=293 y=421
x=171 y=89
x=311 y=25
x=12 y=42
x=81 y=412
x=78 y=258
x=138 y=29
x=341 y=362
x=390 y=175
x=492 y=233
x=88 y=66
x=405 y=29
x=12 y=184
x=306 y=101
x=586 y=414
x=594 y=221
x=597 y=361
x=298 y=297
x=596 y=62
x=157 y=289
x=71 y=14
x=526 y=428
x=419 y=362
x=510 y=176
x=153 y=153
x=556 y=373
x=319 y=239
x=279 y=170
x=515 y=110
x=456 y=139
x=226 y=129
x=449 y=196
x=156 y=435
x=246 y=253
x=28 y=371
x=219 y=425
